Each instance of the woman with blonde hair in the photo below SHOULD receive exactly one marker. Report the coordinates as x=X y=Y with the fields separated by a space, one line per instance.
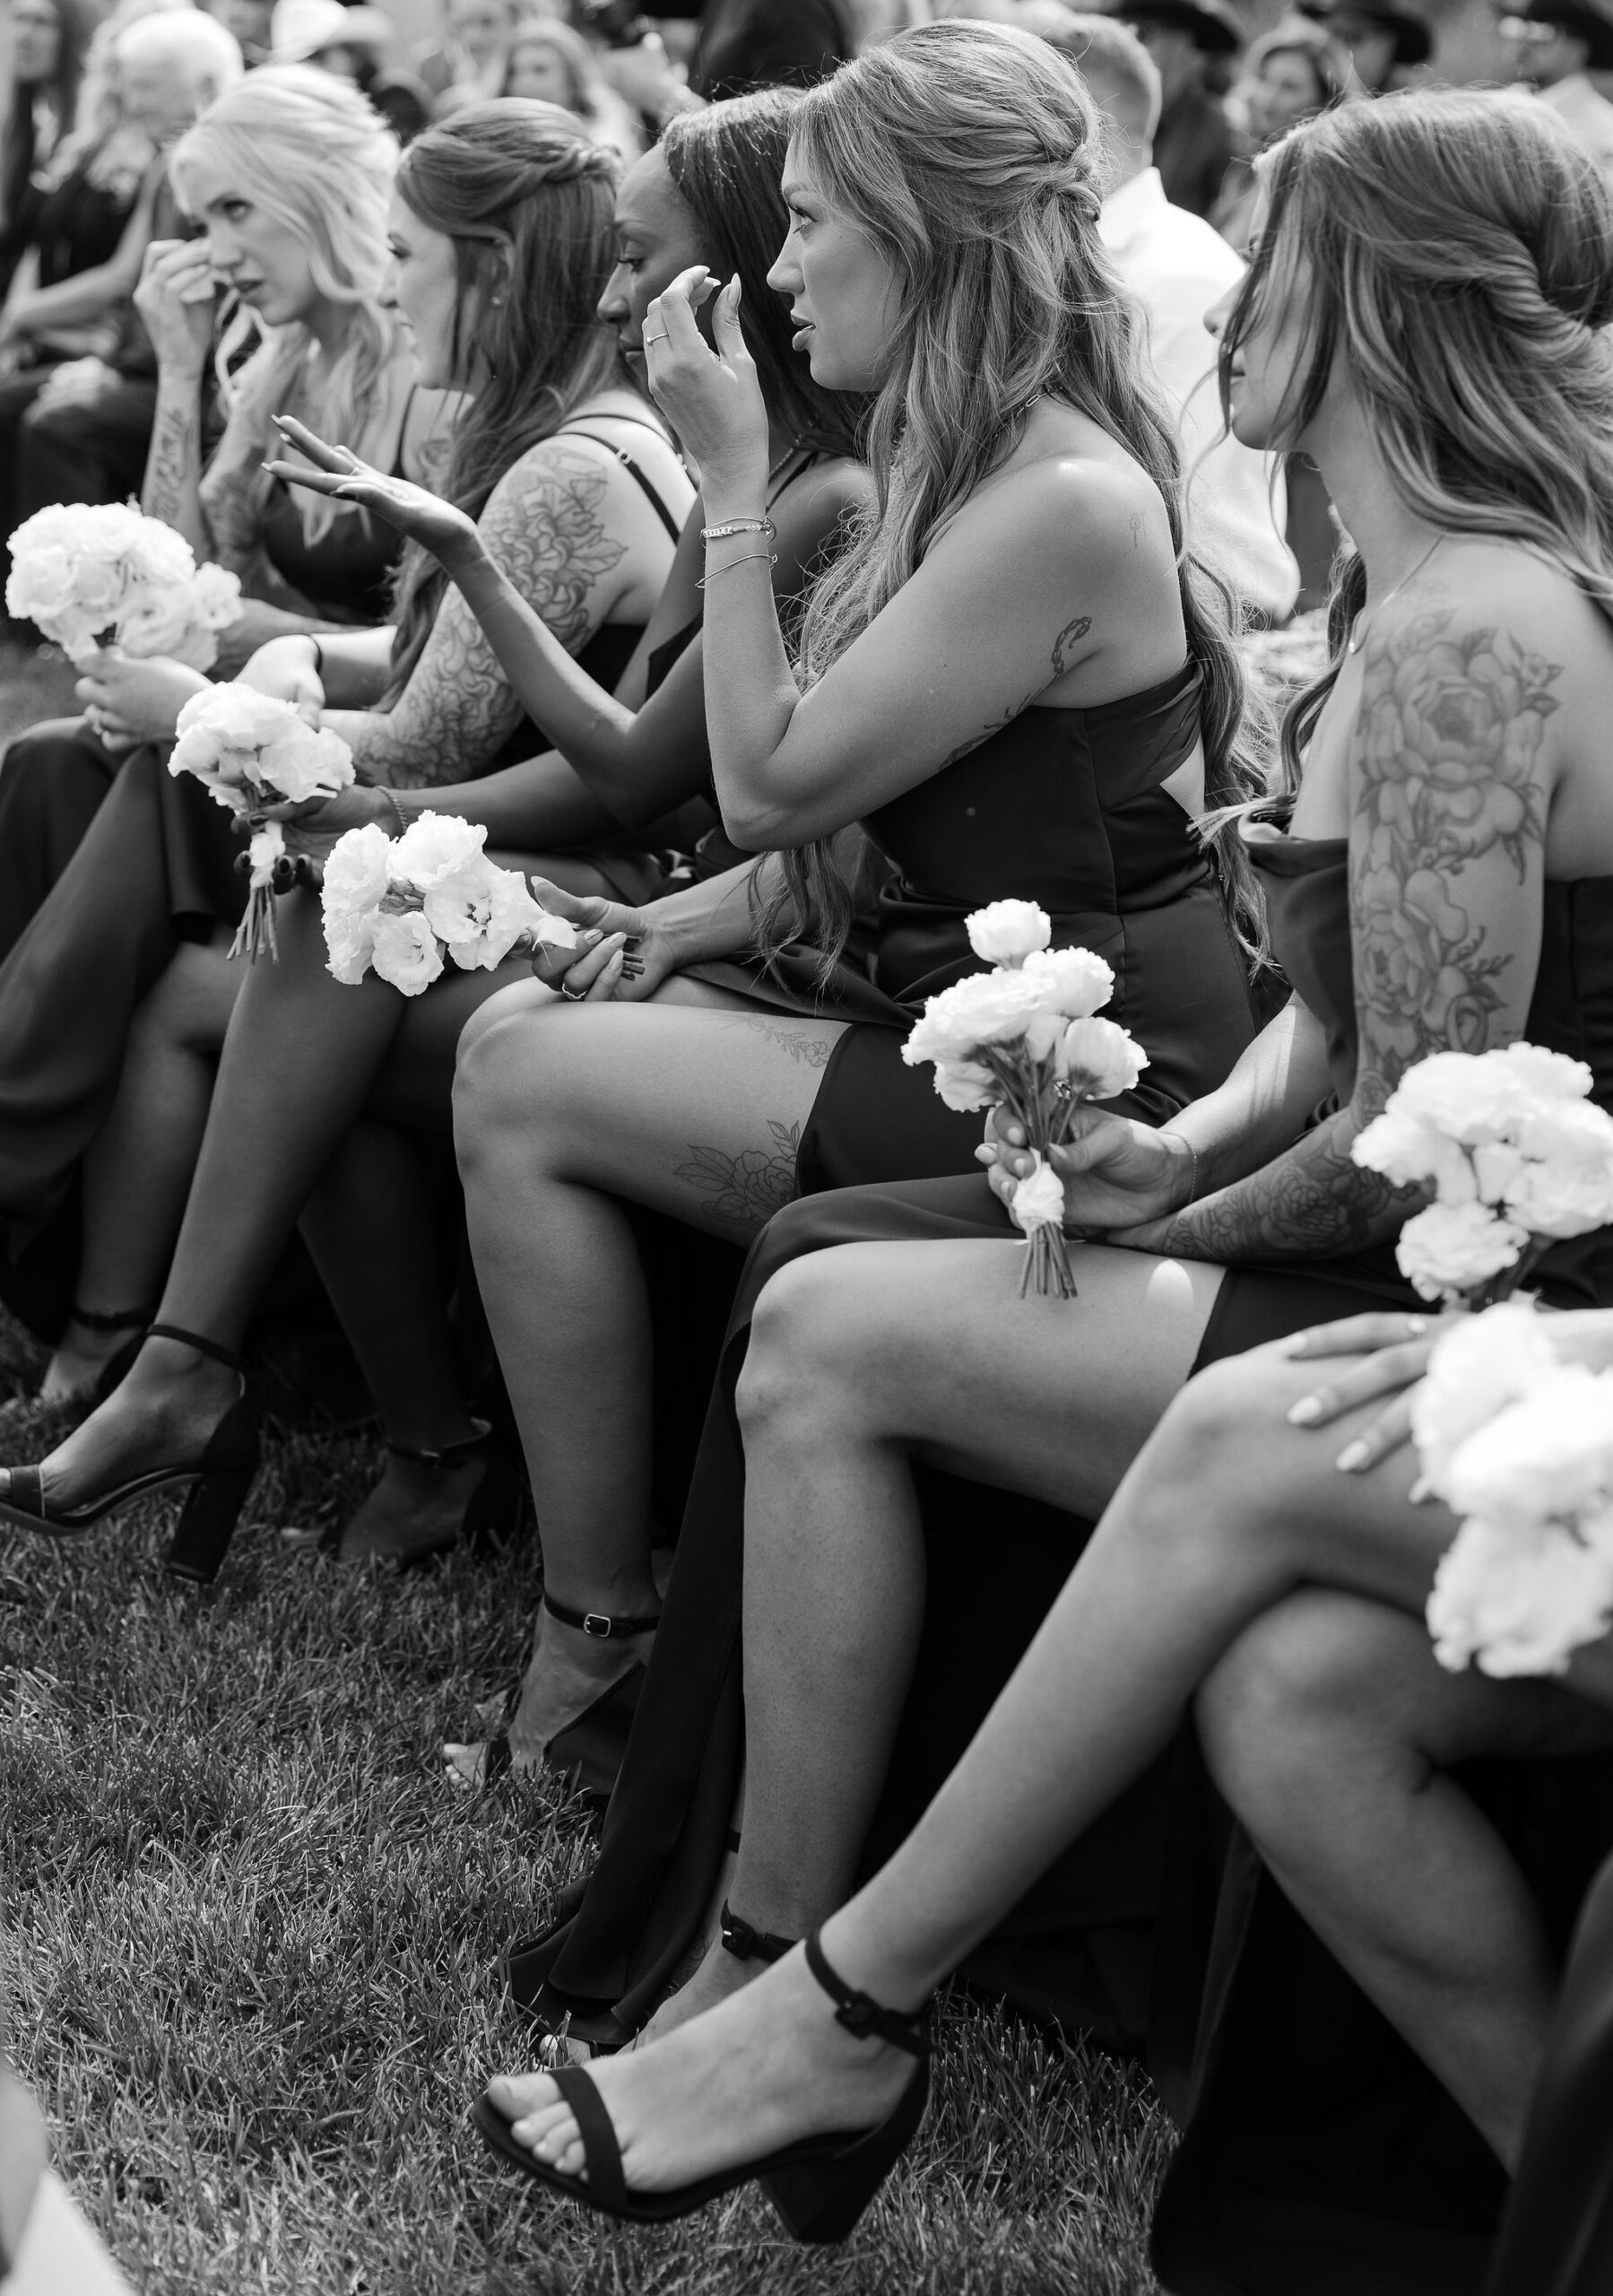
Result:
x=1013 y=678
x=1426 y=315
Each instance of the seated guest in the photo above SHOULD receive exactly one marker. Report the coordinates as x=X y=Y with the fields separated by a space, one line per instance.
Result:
x=1176 y=266
x=289 y=175
x=1558 y=44
x=48 y=42
x=308 y=1095
x=1234 y=1568
x=1243 y=1218
x=70 y=296
x=1384 y=42
x=1192 y=142
x=418 y=702
x=1288 y=76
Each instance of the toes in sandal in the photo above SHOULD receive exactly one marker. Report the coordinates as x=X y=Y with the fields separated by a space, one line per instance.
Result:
x=820 y=2185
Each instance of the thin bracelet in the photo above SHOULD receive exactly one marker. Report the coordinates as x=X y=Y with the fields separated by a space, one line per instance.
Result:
x=771 y=557
x=762 y=525
x=318 y=655
x=1193 y=1173
x=397 y=811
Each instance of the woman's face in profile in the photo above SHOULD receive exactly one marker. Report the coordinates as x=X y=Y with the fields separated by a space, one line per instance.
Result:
x=1265 y=364
x=426 y=282
x=845 y=297
x=657 y=236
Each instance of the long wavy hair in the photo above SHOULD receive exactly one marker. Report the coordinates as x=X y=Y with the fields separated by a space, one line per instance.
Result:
x=307 y=149
x=1455 y=250
x=727 y=163
x=971 y=156
x=516 y=183
x=75 y=22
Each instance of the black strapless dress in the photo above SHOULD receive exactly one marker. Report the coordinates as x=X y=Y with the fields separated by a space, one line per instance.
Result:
x=1064 y=807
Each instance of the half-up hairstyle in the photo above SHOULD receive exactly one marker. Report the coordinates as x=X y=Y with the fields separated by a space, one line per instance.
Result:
x=727 y=164
x=1455 y=250
x=970 y=155
x=309 y=150
x=523 y=179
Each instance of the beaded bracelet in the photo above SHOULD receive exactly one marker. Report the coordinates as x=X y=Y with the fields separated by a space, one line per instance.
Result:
x=763 y=525
x=771 y=557
x=397 y=811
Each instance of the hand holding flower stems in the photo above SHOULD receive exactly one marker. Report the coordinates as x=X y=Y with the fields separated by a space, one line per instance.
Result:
x=1026 y=1037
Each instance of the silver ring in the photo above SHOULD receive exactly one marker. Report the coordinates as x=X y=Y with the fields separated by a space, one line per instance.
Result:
x=574 y=995
x=661 y=337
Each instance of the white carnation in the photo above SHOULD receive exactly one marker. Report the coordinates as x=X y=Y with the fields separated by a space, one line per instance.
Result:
x=1409 y=1153
x=1545 y=1075
x=964 y=1085
x=1468 y=1097
x=1073 y=981
x=1521 y=1598
x=1039 y=1199
x=305 y=761
x=1006 y=930
x=358 y=873
x=986 y=1008
x=1549 y=1453
x=405 y=950
x=436 y=846
x=1478 y=1366
x=1565 y=1185
x=1101 y=1059
x=1453 y=1248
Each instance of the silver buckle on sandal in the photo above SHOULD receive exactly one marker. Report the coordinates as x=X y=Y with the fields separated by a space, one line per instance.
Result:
x=597 y=1623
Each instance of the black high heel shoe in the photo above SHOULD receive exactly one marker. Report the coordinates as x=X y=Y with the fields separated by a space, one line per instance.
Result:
x=218 y=1480
x=589 y=1750
x=494 y=1506
x=820 y=2185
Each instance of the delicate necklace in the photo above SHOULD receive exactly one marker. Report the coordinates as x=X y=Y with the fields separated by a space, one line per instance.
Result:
x=1358 y=636
x=793 y=448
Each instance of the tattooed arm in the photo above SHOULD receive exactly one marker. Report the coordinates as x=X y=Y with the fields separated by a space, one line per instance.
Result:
x=1450 y=773
x=549 y=525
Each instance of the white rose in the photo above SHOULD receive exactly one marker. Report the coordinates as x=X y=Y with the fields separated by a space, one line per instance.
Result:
x=302 y=761
x=1453 y=1248
x=1101 y=1059
x=1564 y=1187
x=1545 y=1075
x=215 y=597
x=1073 y=981
x=158 y=555
x=358 y=873
x=350 y=944
x=1550 y=1452
x=152 y=623
x=406 y=953
x=1407 y=1151
x=1521 y=1598
x=436 y=846
x=40 y=585
x=964 y=1085
x=1005 y=931
x=1039 y=1199
x=1469 y=1097
x=1478 y=1366
x=986 y=1008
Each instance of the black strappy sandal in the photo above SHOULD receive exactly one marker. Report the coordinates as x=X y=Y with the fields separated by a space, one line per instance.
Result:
x=589 y=1750
x=30 y=1418
x=494 y=1505
x=820 y=2185
x=734 y=1936
x=218 y=1480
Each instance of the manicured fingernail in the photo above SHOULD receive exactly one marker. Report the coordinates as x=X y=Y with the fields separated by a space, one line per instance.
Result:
x=1307 y=1411
x=1354 y=1456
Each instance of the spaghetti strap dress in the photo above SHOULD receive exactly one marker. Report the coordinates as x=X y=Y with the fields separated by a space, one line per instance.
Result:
x=152 y=866
x=1068 y=808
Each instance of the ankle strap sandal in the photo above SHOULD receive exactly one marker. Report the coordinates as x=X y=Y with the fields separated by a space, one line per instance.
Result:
x=113 y=1319
x=447 y=1455
x=862 y=2016
x=208 y=1347
x=748 y=1944
x=599 y=1626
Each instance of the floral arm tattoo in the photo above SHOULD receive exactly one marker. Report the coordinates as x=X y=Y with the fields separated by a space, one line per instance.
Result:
x=547 y=524
x=1060 y=659
x=1449 y=823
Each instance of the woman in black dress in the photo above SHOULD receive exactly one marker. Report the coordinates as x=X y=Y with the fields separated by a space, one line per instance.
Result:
x=48 y=41
x=1458 y=723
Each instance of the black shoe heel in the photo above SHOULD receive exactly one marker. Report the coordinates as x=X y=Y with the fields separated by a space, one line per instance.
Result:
x=214 y=1502
x=822 y=2200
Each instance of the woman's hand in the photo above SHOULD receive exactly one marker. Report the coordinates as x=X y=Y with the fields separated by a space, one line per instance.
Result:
x=622 y=955
x=175 y=297
x=712 y=398
x=1117 y=1173
x=312 y=825
x=285 y=667
x=425 y=518
x=130 y=702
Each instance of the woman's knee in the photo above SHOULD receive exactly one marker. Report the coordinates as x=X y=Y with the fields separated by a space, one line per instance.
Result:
x=813 y=1347
x=516 y=1077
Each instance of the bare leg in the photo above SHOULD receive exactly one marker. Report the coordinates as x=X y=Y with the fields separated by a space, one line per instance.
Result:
x=137 y=1172
x=853 y=1372
x=1331 y=1726
x=692 y=1104
x=1226 y=1512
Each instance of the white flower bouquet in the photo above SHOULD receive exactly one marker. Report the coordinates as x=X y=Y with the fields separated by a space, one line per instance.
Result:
x=1026 y=1037
x=81 y=570
x=1517 y=1155
x=250 y=750
x=1520 y=1446
x=402 y=905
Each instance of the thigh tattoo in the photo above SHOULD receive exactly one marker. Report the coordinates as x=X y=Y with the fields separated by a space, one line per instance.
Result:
x=745 y=1190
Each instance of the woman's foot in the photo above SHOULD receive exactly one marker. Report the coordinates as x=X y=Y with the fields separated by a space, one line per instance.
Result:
x=162 y=1414
x=570 y=1671
x=420 y=1504
x=91 y=1341
x=763 y=2069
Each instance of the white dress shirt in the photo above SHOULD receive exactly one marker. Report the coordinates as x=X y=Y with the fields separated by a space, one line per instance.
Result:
x=1587 y=116
x=1176 y=266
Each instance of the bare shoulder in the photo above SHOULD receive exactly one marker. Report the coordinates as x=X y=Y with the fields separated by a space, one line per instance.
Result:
x=1071 y=512
x=559 y=472
x=1530 y=609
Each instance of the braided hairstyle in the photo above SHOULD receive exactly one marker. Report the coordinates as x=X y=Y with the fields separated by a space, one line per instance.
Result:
x=1455 y=250
x=525 y=178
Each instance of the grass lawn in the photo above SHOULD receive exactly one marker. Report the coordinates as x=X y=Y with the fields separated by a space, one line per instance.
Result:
x=249 y=1936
